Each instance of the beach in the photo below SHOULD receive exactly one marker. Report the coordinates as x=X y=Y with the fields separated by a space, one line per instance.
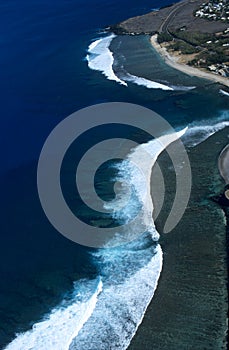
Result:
x=189 y=309
x=174 y=62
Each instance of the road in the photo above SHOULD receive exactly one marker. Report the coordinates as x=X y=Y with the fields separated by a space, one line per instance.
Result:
x=164 y=26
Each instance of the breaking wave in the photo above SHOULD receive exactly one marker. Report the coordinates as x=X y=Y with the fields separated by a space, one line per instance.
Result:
x=198 y=132
x=101 y=58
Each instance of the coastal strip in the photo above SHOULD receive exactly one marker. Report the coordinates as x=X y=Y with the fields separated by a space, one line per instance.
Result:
x=175 y=16
x=187 y=37
x=172 y=61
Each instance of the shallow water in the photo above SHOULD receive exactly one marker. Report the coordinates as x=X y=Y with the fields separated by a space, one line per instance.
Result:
x=190 y=304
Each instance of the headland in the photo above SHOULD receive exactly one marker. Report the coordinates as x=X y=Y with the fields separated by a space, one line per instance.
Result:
x=192 y=36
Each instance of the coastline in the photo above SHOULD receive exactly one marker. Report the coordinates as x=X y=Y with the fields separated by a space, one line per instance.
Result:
x=172 y=61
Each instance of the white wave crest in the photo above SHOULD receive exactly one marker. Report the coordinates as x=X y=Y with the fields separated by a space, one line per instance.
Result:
x=109 y=318
x=225 y=93
x=100 y=58
x=146 y=82
x=143 y=158
x=197 y=134
x=182 y=87
x=120 y=308
x=150 y=84
x=62 y=324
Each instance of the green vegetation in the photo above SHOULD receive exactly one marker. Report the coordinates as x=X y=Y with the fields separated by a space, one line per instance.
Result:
x=183 y=47
x=164 y=37
x=211 y=49
x=208 y=58
x=192 y=38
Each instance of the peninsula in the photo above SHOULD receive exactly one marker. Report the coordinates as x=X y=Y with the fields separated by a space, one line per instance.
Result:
x=191 y=35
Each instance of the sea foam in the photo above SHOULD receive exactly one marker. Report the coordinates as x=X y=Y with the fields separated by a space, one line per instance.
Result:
x=127 y=270
x=107 y=312
x=57 y=329
x=100 y=58
x=199 y=132
x=146 y=82
x=122 y=305
x=136 y=172
x=225 y=93
x=111 y=309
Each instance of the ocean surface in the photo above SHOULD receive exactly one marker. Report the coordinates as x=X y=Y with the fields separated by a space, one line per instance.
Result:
x=57 y=58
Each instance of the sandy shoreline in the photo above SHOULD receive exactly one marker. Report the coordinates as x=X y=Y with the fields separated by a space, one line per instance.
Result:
x=172 y=62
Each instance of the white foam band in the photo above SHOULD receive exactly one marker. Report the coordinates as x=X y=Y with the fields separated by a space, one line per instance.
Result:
x=224 y=92
x=100 y=58
x=58 y=329
x=120 y=309
x=146 y=82
x=109 y=313
x=197 y=134
x=143 y=158
x=110 y=316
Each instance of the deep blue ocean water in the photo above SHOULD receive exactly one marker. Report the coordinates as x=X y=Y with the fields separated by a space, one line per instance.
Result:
x=44 y=78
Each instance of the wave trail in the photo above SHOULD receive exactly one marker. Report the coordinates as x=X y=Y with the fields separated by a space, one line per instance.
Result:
x=64 y=322
x=199 y=132
x=121 y=306
x=142 y=158
x=146 y=82
x=100 y=58
x=225 y=93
